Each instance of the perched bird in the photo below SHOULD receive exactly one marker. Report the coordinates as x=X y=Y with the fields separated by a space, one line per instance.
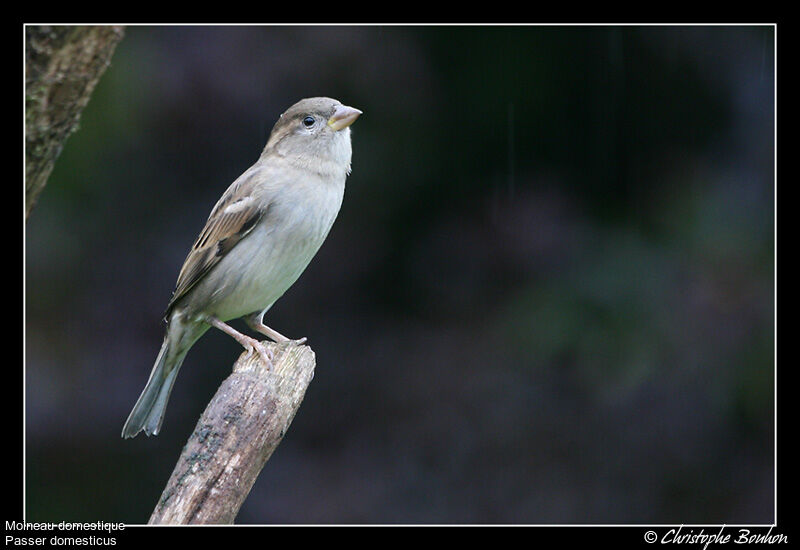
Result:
x=257 y=241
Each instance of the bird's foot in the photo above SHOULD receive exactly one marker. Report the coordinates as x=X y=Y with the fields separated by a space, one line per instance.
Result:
x=263 y=351
x=255 y=323
x=250 y=344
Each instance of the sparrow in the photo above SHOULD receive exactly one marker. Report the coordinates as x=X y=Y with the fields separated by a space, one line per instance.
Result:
x=258 y=240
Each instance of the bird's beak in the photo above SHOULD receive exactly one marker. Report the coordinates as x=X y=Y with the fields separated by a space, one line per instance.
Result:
x=343 y=117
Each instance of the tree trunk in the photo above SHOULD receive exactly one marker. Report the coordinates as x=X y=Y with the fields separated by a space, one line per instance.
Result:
x=62 y=67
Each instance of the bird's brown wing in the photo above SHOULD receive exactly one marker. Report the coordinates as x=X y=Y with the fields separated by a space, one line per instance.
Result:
x=233 y=217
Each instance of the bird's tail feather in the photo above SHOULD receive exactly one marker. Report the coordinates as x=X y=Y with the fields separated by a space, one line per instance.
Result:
x=148 y=412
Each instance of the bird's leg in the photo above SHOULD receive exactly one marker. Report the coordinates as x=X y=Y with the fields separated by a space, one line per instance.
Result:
x=250 y=344
x=256 y=323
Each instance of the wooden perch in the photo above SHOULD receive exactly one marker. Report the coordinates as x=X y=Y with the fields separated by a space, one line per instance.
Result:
x=235 y=436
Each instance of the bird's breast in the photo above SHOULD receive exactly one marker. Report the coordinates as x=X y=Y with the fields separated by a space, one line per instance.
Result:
x=272 y=257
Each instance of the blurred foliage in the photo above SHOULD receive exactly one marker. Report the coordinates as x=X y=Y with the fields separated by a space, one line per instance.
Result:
x=548 y=297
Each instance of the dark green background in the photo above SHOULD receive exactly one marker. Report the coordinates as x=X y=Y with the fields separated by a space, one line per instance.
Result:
x=548 y=297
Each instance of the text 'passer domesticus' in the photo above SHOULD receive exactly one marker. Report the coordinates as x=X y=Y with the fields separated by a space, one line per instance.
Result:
x=257 y=241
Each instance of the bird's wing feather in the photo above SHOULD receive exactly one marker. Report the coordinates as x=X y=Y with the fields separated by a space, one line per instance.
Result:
x=233 y=217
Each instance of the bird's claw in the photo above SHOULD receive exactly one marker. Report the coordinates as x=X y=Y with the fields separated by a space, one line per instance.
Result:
x=263 y=352
x=290 y=342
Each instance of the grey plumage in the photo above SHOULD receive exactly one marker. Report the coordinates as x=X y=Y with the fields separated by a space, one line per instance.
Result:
x=258 y=240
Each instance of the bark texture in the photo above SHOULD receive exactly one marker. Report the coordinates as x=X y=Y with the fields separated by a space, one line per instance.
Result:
x=238 y=432
x=62 y=67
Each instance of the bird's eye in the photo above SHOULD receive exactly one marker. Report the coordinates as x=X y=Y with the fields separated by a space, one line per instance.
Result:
x=309 y=121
